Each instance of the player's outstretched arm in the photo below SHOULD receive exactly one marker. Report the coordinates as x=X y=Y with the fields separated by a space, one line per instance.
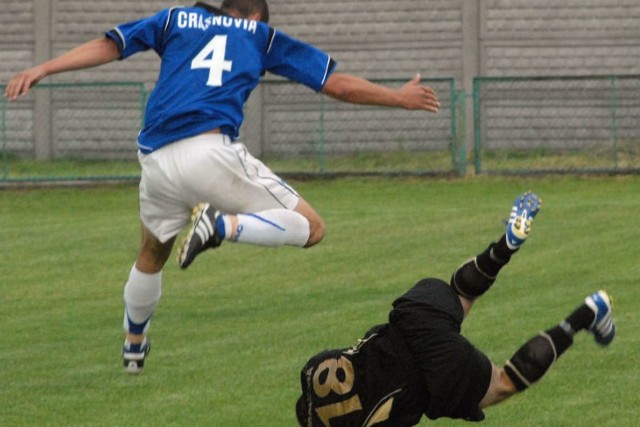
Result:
x=411 y=96
x=91 y=54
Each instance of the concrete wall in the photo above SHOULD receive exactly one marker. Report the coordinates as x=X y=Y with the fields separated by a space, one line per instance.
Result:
x=378 y=39
x=373 y=38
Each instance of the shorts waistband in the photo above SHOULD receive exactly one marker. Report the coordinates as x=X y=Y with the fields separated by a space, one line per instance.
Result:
x=204 y=138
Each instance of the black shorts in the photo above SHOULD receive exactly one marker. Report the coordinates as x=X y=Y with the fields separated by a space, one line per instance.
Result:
x=455 y=373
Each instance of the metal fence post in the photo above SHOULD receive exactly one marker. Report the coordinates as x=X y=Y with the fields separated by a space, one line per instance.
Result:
x=3 y=127
x=43 y=131
x=144 y=97
x=321 y=138
x=461 y=131
x=477 y=126
x=253 y=128
x=42 y=52
x=614 y=119
x=458 y=123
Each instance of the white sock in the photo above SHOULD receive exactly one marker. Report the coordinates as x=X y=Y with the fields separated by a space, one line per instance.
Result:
x=141 y=296
x=275 y=227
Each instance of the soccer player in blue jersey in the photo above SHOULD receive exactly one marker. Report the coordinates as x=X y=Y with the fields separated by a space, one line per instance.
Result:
x=418 y=364
x=211 y=60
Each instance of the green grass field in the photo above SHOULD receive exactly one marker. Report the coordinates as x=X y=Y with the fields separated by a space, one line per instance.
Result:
x=233 y=331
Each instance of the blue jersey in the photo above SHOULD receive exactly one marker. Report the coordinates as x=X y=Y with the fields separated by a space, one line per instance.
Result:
x=210 y=63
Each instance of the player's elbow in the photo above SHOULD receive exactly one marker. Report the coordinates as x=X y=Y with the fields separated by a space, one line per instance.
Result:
x=337 y=86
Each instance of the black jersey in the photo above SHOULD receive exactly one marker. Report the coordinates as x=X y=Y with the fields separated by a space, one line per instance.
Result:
x=370 y=383
x=417 y=364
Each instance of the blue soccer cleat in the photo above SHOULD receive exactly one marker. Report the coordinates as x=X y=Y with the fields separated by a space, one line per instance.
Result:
x=133 y=356
x=524 y=209
x=602 y=328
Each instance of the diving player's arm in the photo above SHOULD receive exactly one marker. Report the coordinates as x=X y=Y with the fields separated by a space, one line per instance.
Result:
x=411 y=96
x=91 y=54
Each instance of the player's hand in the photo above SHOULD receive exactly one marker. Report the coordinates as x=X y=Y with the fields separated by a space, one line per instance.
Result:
x=21 y=83
x=419 y=97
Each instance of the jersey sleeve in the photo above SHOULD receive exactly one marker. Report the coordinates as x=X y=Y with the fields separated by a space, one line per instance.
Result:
x=298 y=61
x=141 y=35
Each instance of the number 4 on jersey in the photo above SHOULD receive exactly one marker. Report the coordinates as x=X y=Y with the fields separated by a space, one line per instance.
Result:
x=212 y=58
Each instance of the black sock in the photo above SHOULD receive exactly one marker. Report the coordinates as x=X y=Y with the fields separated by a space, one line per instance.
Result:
x=501 y=250
x=561 y=340
x=581 y=318
x=496 y=256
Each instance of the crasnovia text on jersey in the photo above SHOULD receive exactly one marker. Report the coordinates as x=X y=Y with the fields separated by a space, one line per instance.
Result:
x=198 y=21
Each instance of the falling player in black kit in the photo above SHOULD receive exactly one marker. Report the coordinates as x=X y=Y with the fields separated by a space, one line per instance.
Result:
x=419 y=364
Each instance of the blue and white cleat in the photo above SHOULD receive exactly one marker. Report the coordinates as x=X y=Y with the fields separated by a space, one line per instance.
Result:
x=524 y=209
x=602 y=328
x=133 y=356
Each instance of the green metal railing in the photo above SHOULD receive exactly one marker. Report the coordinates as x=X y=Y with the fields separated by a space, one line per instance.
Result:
x=301 y=131
x=521 y=125
x=3 y=135
x=87 y=131
x=557 y=124
x=69 y=131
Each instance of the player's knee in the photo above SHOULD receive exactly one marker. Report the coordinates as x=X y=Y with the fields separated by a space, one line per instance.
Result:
x=500 y=388
x=316 y=231
x=505 y=387
x=469 y=281
x=316 y=223
x=153 y=254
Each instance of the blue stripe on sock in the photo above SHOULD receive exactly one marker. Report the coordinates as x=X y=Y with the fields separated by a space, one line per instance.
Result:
x=268 y=222
x=136 y=328
x=220 y=227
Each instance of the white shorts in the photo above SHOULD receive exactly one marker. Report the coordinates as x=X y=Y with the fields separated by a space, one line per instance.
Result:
x=205 y=168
